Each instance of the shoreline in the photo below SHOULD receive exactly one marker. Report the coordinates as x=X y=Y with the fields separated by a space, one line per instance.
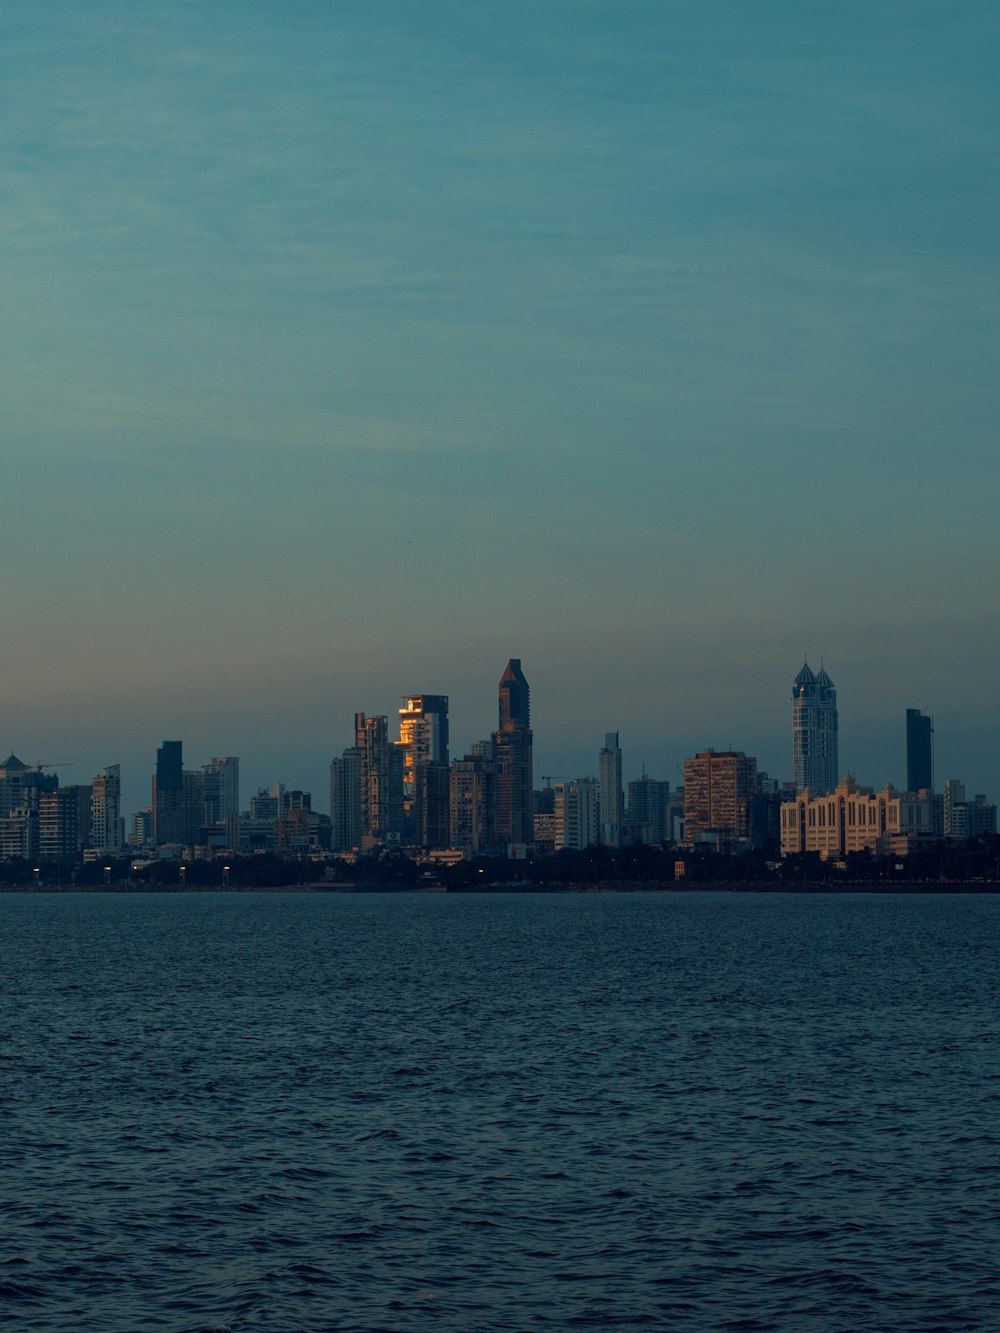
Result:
x=756 y=887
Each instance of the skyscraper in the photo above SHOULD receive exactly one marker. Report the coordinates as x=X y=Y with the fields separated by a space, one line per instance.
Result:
x=815 y=762
x=423 y=739
x=169 y=823
x=381 y=781
x=612 y=811
x=345 y=801
x=105 y=811
x=919 y=750
x=212 y=800
x=512 y=756
x=472 y=798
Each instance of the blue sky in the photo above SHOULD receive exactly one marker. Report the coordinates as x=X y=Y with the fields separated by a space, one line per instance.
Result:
x=349 y=350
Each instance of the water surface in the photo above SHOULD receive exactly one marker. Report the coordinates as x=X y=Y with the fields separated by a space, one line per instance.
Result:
x=402 y=1112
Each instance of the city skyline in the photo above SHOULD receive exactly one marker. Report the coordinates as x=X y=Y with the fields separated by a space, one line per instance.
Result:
x=586 y=753
x=353 y=349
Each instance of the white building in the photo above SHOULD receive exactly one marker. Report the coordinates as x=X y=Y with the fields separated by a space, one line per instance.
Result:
x=576 y=825
x=106 y=831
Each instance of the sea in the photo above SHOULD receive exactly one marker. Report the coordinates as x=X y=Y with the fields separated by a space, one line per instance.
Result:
x=291 y=1112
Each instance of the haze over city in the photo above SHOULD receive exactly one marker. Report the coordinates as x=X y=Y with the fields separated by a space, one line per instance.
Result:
x=351 y=351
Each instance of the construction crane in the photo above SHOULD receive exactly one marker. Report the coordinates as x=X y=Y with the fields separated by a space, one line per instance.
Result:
x=549 y=778
x=59 y=763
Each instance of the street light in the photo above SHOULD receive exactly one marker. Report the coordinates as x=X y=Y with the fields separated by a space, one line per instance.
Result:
x=107 y=877
x=183 y=875
x=36 y=872
x=225 y=877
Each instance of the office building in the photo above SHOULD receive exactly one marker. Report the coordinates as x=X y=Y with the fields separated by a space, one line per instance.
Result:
x=612 y=802
x=919 y=751
x=815 y=761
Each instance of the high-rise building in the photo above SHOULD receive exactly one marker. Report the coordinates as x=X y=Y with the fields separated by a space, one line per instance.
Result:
x=345 y=801
x=472 y=800
x=576 y=814
x=718 y=789
x=512 y=744
x=423 y=729
x=612 y=803
x=919 y=751
x=381 y=781
x=21 y=785
x=169 y=821
x=225 y=771
x=13 y=785
x=63 y=822
x=423 y=740
x=106 y=832
x=815 y=762
x=649 y=811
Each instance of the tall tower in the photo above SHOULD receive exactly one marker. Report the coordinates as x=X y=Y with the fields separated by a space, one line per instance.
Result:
x=381 y=780
x=423 y=740
x=105 y=810
x=169 y=823
x=815 y=762
x=221 y=796
x=512 y=755
x=345 y=801
x=612 y=812
x=919 y=750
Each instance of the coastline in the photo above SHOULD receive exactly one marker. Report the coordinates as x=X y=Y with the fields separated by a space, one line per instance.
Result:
x=720 y=886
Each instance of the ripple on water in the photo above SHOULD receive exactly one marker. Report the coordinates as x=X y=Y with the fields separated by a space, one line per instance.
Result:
x=287 y=1112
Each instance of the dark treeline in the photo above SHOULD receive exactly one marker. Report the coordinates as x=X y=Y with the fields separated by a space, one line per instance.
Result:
x=942 y=862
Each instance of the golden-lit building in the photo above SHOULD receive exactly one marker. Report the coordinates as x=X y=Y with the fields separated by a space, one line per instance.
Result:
x=855 y=819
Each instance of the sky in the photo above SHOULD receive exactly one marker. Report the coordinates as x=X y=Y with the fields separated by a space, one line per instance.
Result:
x=349 y=350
